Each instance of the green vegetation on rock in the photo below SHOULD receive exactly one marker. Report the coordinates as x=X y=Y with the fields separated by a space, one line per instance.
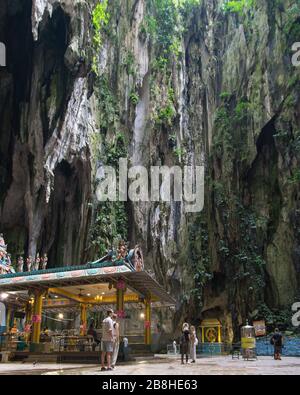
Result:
x=100 y=19
x=110 y=223
x=165 y=25
x=238 y=6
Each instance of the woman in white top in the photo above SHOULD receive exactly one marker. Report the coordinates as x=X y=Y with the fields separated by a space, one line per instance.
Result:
x=116 y=335
x=193 y=345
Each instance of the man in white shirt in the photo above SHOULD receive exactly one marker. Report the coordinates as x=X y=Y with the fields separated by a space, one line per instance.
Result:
x=107 y=345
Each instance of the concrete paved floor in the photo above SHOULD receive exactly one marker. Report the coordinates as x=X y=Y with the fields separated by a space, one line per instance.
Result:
x=29 y=369
x=163 y=366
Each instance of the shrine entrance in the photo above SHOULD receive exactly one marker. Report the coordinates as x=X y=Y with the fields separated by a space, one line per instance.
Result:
x=73 y=296
x=211 y=331
x=211 y=337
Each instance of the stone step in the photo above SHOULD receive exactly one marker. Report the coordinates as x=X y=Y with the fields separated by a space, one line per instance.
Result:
x=41 y=358
x=140 y=350
x=135 y=339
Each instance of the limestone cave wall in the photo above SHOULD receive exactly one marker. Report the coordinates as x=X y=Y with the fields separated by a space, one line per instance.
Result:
x=197 y=84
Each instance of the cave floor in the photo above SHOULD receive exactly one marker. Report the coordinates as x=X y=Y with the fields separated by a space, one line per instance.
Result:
x=164 y=366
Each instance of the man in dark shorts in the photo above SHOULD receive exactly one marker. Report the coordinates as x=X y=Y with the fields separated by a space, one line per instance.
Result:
x=277 y=342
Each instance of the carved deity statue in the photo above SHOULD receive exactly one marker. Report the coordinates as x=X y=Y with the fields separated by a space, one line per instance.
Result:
x=9 y=265
x=122 y=251
x=29 y=263
x=37 y=262
x=139 y=259
x=44 y=262
x=20 y=264
x=2 y=261
x=2 y=241
x=8 y=259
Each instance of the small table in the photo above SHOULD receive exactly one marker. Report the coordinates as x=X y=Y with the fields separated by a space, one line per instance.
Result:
x=236 y=351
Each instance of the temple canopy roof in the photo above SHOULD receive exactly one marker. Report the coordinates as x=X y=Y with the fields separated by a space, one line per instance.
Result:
x=78 y=283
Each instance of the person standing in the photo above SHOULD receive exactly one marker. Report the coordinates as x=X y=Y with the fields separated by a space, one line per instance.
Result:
x=185 y=343
x=116 y=335
x=92 y=332
x=277 y=342
x=107 y=344
x=194 y=344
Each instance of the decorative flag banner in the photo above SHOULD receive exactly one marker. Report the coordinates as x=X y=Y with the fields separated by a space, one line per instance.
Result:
x=147 y=324
x=121 y=314
x=121 y=285
x=260 y=328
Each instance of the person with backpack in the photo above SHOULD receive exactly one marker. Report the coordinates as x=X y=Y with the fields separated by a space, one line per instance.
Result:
x=185 y=343
x=277 y=342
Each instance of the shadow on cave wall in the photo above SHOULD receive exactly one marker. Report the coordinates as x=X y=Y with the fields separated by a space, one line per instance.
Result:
x=15 y=32
x=64 y=233
x=36 y=73
x=266 y=194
